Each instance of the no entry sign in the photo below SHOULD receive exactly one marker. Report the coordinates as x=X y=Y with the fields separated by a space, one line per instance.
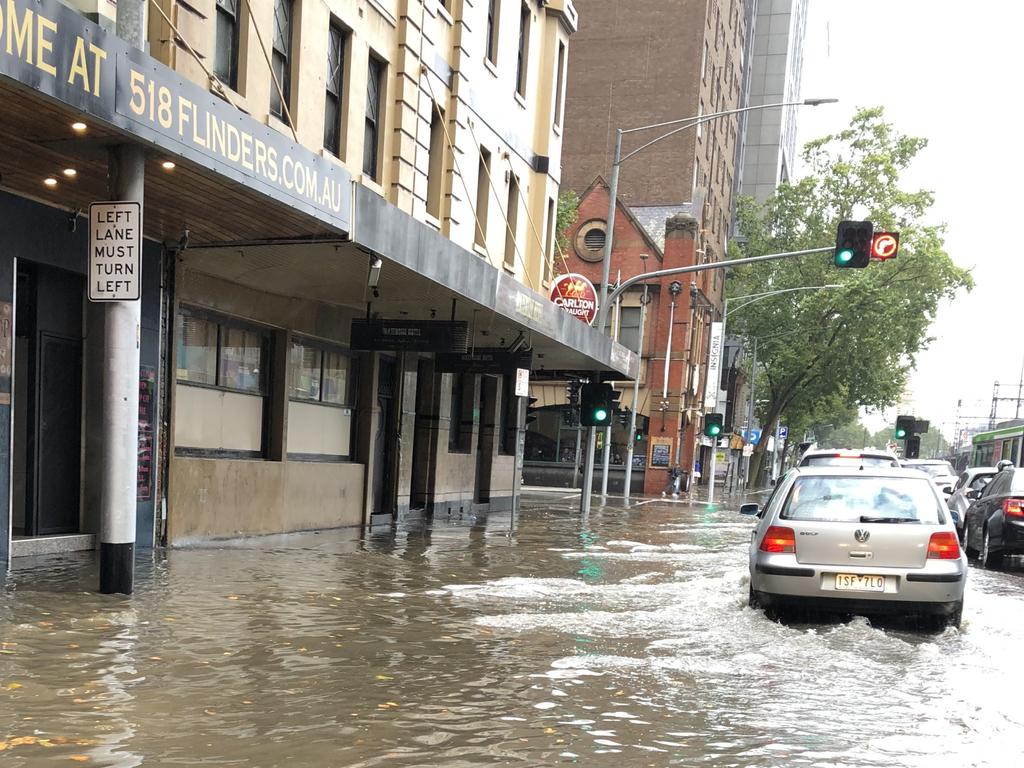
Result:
x=115 y=251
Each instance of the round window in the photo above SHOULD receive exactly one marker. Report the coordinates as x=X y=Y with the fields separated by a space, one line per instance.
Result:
x=590 y=240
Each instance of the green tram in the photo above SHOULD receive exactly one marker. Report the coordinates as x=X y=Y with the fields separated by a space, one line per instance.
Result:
x=988 y=448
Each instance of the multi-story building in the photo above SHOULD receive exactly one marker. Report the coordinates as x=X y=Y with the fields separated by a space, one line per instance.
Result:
x=647 y=63
x=776 y=66
x=336 y=195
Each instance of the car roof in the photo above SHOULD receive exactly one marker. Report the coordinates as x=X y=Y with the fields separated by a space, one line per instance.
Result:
x=980 y=470
x=853 y=471
x=921 y=462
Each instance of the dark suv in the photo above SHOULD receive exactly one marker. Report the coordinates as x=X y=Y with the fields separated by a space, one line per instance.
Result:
x=995 y=521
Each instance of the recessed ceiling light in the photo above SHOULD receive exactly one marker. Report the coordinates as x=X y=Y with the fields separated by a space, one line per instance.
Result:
x=70 y=173
x=167 y=165
x=50 y=181
x=79 y=126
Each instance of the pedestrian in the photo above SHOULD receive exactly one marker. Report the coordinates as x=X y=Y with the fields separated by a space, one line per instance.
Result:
x=672 y=483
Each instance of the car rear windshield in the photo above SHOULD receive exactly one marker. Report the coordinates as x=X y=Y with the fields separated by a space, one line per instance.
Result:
x=935 y=470
x=862 y=499
x=848 y=461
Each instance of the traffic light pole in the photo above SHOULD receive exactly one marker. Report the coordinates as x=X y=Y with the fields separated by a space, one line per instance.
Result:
x=628 y=482
x=588 y=474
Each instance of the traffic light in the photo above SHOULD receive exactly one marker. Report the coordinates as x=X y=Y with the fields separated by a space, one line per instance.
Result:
x=531 y=412
x=885 y=245
x=713 y=424
x=596 y=404
x=905 y=426
x=913 y=448
x=638 y=436
x=853 y=244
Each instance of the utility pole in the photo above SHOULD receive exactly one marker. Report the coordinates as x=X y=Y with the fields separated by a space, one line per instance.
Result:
x=122 y=319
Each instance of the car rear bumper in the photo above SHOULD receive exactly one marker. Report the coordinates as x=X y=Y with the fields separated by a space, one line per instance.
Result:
x=858 y=605
x=940 y=582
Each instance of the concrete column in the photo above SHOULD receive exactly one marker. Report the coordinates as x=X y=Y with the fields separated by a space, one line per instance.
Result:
x=122 y=330
x=277 y=439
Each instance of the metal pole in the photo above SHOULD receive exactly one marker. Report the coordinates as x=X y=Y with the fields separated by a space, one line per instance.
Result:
x=588 y=471
x=609 y=235
x=750 y=413
x=607 y=452
x=714 y=444
x=120 y=451
x=631 y=438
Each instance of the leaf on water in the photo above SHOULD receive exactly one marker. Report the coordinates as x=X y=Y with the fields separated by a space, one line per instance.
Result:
x=79 y=701
x=3 y=746
x=21 y=740
x=210 y=711
x=550 y=730
x=246 y=701
x=233 y=597
x=73 y=645
x=155 y=658
x=169 y=618
x=6 y=652
x=384 y=677
x=13 y=686
x=79 y=758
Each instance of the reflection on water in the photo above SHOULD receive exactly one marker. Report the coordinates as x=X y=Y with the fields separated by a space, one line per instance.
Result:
x=624 y=640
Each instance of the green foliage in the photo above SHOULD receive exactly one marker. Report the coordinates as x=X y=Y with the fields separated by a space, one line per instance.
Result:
x=827 y=352
x=568 y=212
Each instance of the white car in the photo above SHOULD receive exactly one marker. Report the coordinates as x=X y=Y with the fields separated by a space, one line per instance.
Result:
x=843 y=457
x=941 y=472
x=857 y=541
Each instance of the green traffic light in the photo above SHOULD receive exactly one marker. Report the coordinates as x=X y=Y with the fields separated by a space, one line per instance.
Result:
x=600 y=414
x=844 y=256
x=714 y=430
x=900 y=434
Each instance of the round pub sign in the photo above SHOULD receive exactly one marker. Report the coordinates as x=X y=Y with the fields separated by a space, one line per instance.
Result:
x=576 y=295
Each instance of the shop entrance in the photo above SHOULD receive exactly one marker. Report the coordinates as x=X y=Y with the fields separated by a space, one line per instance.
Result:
x=46 y=490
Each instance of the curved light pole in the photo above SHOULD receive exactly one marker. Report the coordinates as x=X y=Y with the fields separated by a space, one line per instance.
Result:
x=681 y=125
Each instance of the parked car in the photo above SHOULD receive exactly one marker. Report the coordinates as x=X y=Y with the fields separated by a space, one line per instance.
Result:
x=971 y=479
x=941 y=472
x=995 y=521
x=877 y=540
x=835 y=457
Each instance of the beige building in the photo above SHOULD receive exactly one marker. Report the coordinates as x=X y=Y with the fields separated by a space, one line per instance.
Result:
x=341 y=198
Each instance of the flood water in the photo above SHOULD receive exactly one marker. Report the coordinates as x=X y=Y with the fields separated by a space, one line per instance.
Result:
x=620 y=640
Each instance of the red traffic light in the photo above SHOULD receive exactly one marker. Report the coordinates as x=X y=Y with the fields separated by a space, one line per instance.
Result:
x=885 y=246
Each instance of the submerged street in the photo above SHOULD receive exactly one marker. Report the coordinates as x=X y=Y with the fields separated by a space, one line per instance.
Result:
x=623 y=639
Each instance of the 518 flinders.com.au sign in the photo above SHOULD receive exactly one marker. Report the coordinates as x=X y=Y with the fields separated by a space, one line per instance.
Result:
x=53 y=50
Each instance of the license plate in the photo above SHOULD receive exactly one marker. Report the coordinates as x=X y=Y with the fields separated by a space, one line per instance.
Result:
x=857 y=583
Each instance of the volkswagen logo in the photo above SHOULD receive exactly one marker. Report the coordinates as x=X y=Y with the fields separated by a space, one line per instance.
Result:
x=861 y=535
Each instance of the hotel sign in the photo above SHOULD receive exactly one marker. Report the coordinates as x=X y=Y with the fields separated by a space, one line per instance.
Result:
x=55 y=51
x=410 y=335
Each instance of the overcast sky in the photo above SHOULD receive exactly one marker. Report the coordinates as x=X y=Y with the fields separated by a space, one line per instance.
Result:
x=943 y=71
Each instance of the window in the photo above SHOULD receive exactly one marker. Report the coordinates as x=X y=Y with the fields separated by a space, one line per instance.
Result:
x=524 y=44
x=559 y=83
x=860 y=499
x=513 y=220
x=704 y=62
x=223 y=386
x=320 y=390
x=280 y=61
x=629 y=327
x=700 y=125
x=549 y=241
x=483 y=190
x=371 y=136
x=460 y=430
x=336 y=44
x=225 y=53
x=493 y=11
x=435 y=170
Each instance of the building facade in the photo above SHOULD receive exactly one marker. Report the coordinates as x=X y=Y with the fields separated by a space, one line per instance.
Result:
x=776 y=67
x=348 y=223
x=672 y=339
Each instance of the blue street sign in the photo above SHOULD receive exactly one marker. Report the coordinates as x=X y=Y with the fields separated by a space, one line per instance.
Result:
x=783 y=432
x=755 y=435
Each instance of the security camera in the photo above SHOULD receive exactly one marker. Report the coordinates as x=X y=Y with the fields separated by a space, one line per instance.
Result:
x=373 y=278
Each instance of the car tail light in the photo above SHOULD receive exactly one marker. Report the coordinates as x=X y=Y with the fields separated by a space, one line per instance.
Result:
x=1013 y=507
x=943 y=546
x=778 y=539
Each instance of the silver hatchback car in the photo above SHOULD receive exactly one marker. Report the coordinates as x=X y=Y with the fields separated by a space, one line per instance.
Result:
x=866 y=540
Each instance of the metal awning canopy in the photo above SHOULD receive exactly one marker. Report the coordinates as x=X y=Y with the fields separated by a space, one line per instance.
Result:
x=259 y=209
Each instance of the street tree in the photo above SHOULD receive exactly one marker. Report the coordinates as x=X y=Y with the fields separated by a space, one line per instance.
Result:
x=851 y=346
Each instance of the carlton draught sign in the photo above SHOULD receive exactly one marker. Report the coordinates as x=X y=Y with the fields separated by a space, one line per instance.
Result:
x=576 y=295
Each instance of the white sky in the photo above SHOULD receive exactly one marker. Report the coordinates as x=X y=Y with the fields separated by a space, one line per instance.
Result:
x=944 y=71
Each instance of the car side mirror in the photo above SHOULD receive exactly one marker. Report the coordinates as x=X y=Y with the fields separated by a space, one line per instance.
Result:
x=973 y=494
x=749 y=509
x=948 y=489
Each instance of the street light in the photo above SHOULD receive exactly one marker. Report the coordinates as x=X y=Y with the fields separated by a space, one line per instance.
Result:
x=682 y=124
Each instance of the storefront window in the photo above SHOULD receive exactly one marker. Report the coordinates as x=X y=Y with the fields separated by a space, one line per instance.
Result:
x=241 y=360
x=305 y=364
x=336 y=378
x=197 y=350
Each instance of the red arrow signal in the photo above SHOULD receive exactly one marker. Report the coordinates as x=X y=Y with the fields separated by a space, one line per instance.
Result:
x=885 y=245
